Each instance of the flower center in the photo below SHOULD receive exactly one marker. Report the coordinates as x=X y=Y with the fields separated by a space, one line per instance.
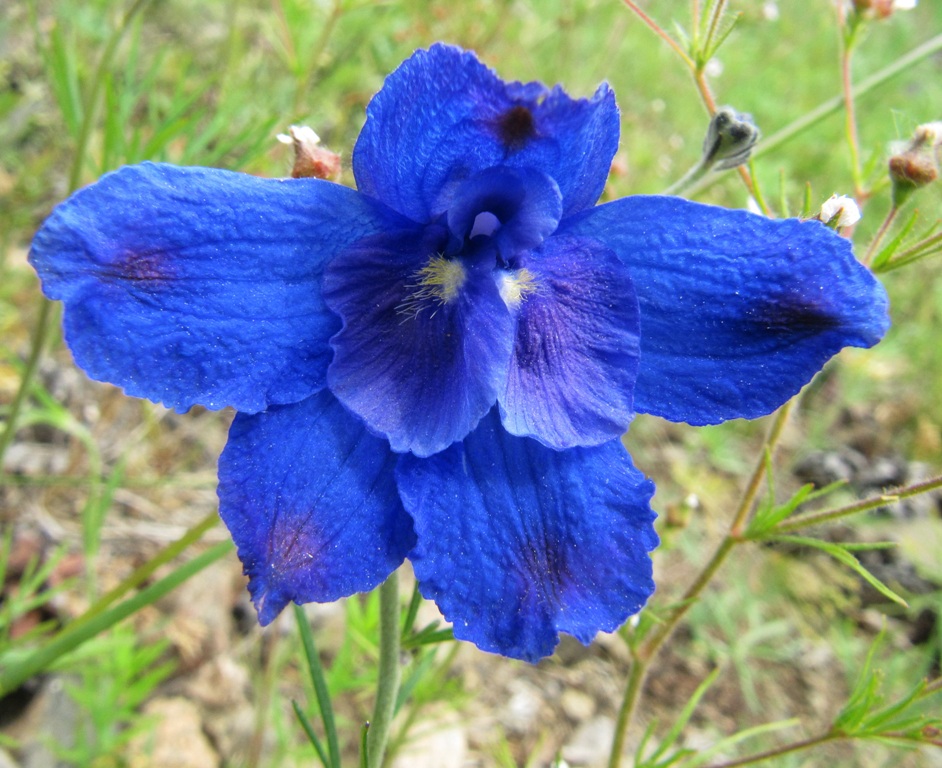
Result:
x=485 y=225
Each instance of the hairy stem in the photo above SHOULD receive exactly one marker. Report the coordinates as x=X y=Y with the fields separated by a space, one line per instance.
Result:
x=890 y=497
x=653 y=25
x=880 y=235
x=390 y=672
x=633 y=688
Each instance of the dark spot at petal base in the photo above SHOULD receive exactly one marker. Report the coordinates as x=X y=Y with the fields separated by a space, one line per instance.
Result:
x=795 y=315
x=516 y=127
x=147 y=267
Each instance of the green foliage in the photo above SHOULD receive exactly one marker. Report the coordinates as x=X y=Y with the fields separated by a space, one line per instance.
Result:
x=114 y=674
x=905 y=721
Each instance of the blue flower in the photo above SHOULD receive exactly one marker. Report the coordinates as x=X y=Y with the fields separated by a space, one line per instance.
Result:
x=440 y=364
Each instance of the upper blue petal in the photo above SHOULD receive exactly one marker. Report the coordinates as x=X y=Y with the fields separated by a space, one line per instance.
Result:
x=418 y=368
x=518 y=542
x=576 y=345
x=199 y=286
x=443 y=116
x=309 y=497
x=738 y=311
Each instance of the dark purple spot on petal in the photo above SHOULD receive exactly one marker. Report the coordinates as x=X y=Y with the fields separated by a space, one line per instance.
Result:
x=294 y=543
x=545 y=570
x=794 y=314
x=516 y=127
x=146 y=267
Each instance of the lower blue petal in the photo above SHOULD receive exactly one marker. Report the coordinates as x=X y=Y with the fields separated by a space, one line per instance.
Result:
x=517 y=542
x=738 y=311
x=419 y=371
x=576 y=347
x=199 y=286
x=310 y=499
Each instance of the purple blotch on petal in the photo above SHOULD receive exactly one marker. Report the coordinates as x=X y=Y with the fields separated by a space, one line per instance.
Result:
x=516 y=127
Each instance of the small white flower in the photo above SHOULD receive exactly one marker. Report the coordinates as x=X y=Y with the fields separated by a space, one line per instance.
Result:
x=840 y=210
x=299 y=134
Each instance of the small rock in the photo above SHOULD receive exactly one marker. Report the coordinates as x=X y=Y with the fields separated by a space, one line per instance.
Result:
x=177 y=739
x=825 y=467
x=590 y=744
x=437 y=744
x=577 y=705
x=522 y=711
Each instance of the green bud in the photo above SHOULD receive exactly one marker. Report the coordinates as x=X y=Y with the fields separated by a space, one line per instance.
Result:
x=729 y=140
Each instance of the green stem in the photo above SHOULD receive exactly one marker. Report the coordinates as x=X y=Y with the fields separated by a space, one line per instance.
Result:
x=661 y=33
x=390 y=671
x=144 y=572
x=880 y=235
x=636 y=676
x=649 y=649
x=890 y=497
x=848 y=38
x=688 y=180
x=831 y=106
x=787 y=749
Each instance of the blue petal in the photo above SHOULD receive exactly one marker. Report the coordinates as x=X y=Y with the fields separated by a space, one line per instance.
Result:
x=738 y=312
x=310 y=499
x=198 y=286
x=576 y=348
x=517 y=542
x=418 y=371
x=443 y=116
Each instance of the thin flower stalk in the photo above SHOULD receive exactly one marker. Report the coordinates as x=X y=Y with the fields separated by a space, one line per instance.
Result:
x=656 y=28
x=786 y=749
x=647 y=652
x=848 y=39
x=874 y=502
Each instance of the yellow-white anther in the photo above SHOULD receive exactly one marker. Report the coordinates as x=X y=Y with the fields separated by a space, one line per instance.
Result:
x=516 y=286
x=437 y=283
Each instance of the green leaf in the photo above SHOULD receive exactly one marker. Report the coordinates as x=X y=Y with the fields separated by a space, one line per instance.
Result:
x=841 y=553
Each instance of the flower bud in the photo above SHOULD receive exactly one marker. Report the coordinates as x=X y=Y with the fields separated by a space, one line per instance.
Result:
x=310 y=159
x=916 y=163
x=729 y=140
x=839 y=211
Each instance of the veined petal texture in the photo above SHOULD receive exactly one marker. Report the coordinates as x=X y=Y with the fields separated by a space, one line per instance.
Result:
x=443 y=116
x=309 y=497
x=200 y=286
x=738 y=311
x=576 y=346
x=518 y=542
